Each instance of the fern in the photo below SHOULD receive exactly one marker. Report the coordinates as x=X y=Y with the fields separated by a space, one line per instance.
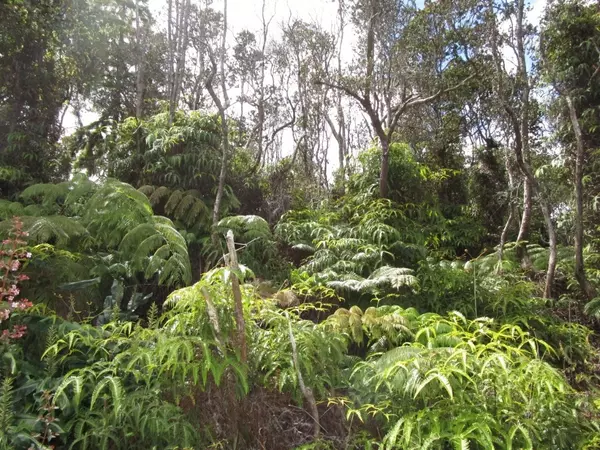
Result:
x=6 y=410
x=258 y=247
x=248 y=227
x=49 y=195
x=118 y=394
x=321 y=353
x=156 y=247
x=458 y=382
x=113 y=210
x=385 y=276
x=59 y=230
x=592 y=308
x=10 y=209
x=187 y=207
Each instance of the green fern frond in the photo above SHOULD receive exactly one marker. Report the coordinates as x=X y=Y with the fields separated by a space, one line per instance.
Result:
x=592 y=308
x=6 y=409
x=394 y=277
x=147 y=190
x=60 y=230
x=47 y=194
x=157 y=247
x=10 y=209
x=115 y=389
x=158 y=195
x=250 y=227
x=114 y=209
x=174 y=200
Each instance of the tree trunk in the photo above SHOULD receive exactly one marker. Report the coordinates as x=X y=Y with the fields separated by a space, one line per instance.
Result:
x=337 y=134
x=223 y=172
x=503 y=238
x=222 y=108
x=140 y=84
x=522 y=253
x=552 y=244
x=171 y=67
x=580 y=276
x=385 y=168
x=179 y=49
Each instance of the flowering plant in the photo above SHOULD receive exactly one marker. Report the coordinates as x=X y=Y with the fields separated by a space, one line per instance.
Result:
x=12 y=256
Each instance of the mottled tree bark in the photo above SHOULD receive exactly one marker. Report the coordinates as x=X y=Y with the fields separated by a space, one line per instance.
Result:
x=580 y=275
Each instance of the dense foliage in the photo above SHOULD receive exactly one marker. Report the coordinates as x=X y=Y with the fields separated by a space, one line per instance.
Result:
x=186 y=269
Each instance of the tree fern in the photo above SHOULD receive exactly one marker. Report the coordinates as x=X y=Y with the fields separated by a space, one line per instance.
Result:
x=247 y=227
x=156 y=247
x=592 y=308
x=113 y=210
x=10 y=209
x=257 y=245
x=49 y=195
x=59 y=230
x=385 y=276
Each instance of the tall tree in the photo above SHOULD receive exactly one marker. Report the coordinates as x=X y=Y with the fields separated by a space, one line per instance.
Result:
x=140 y=40
x=386 y=82
x=570 y=61
x=35 y=83
x=178 y=14
x=514 y=93
x=222 y=103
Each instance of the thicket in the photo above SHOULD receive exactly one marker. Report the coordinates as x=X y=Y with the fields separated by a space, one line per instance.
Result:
x=175 y=275
x=379 y=338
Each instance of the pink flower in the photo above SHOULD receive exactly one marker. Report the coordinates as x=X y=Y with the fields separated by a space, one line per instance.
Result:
x=18 y=332
x=23 y=304
x=28 y=254
x=14 y=290
x=4 y=314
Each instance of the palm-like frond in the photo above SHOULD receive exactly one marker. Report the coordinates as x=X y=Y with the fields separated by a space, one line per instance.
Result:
x=156 y=247
x=247 y=227
x=47 y=194
x=114 y=209
x=10 y=209
x=184 y=206
x=385 y=276
x=592 y=308
x=60 y=230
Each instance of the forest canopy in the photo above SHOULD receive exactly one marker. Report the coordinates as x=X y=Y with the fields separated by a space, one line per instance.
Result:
x=373 y=228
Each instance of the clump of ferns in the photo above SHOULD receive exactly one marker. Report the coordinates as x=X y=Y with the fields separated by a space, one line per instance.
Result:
x=256 y=244
x=456 y=382
x=377 y=327
x=206 y=309
x=87 y=219
x=129 y=372
x=320 y=351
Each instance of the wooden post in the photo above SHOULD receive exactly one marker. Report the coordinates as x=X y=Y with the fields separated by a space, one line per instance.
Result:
x=237 y=298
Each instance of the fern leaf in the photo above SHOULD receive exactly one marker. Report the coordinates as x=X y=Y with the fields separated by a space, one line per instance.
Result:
x=592 y=308
x=115 y=388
